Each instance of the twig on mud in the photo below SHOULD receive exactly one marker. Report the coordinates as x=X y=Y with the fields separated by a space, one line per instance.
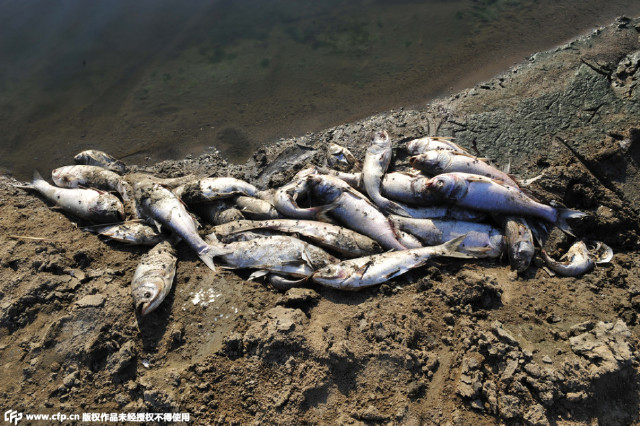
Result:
x=26 y=237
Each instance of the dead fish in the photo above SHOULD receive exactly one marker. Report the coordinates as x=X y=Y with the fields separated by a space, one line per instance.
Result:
x=353 y=179
x=282 y=283
x=520 y=244
x=354 y=210
x=153 y=277
x=376 y=163
x=162 y=208
x=218 y=212
x=286 y=196
x=278 y=253
x=134 y=233
x=255 y=208
x=89 y=204
x=485 y=194
x=422 y=145
x=354 y=274
x=337 y=238
x=169 y=183
x=340 y=157
x=94 y=157
x=576 y=261
x=92 y=177
x=210 y=189
x=482 y=240
x=440 y=161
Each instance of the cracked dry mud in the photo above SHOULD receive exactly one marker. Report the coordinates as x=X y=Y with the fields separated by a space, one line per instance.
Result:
x=453 y=342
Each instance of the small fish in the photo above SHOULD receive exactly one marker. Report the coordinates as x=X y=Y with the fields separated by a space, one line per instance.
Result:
x=161 y=207
x=218 y=212
x=422 y=145
x=342 y=240
x=94 y=157
x=89 y=204
x=255 y=208
x=153 y=277
x=134 y=233
x=354 y=274
x=482 y=240
x=520 y=243
x=376 y=163
x=278 y=253
x=354 y=210
x=340 y=157
x=286 y=196
x=579 y=259
x=282 y=283
x=440 y=161
x=485 y=194
x=92 y=177
x=446 y=212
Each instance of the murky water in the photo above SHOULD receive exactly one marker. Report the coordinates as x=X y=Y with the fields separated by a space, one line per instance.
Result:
x=150 y=80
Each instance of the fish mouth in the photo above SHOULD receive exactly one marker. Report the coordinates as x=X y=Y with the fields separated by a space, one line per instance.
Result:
x=143 y=308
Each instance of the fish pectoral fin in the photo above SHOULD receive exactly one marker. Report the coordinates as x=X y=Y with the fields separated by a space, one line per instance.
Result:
x=322 y=212
x=257 y=274
x=158 y=225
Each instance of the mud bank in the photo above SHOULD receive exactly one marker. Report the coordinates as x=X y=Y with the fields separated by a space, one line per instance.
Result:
x=452 y=342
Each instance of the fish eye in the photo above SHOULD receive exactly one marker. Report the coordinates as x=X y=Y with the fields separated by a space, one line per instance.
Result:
x=147 y=294
x=440 y=183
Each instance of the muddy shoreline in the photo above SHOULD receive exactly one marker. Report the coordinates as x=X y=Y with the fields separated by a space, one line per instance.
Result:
x=452 y=342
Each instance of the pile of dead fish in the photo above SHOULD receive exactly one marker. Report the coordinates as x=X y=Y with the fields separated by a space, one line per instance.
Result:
x=346 y=224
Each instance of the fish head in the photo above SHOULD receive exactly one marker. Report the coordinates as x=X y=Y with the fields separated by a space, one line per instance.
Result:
x=325 y=187
x=109 y=205
x=64 y=176
x=302 y=174
x=332 y=272
x=381 y=140
x=433 y=161
x=148 y=296
x=443 y=185
x=521 y=253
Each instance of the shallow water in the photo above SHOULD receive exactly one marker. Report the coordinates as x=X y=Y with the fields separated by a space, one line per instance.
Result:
x=151 y=80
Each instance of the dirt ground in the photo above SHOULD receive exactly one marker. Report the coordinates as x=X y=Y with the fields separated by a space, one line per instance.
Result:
x=454 y=342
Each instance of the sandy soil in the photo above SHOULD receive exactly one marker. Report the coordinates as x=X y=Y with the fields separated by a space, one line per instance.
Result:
x=454 y=342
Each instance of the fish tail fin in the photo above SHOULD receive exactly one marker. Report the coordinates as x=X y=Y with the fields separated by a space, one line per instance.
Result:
x=32 y=185
x=392 y=207
x=564 y=215
x=209 y=253
x=452 y=248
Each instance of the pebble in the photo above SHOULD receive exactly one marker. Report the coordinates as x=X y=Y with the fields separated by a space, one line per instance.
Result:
x=91 y=301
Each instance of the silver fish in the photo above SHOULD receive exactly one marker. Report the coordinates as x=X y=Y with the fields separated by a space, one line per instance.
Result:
x=485 y=194
x=376 y=163
x=89 y=204
x=342 y=240
x=576 y=261
x=93 y=177
x=481 y=240
x=445 y=212
x=255 y=208
x=218 y=212
x=169 y=183
x=153 y=277
x=354 y=274
x=520 y=244
x=286 y=196
x=340 y=157
x=407 y=188
x=440 y=161
x=211 y=189
x=281 y=254
x=422 y=145
x=94 y=157
x=161 y=207
x=354 y=210
x=134 y=233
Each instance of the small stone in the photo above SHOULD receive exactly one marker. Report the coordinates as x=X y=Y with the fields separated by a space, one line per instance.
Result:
x=547 y=360
x=91 y=301
x=70 y=379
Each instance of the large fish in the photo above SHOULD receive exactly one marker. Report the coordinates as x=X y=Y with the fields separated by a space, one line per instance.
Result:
x=342 y=240
x=354 y=210
x=161 y=207
x=210 y=189
x=376 y=163
x=94 y=157
x=354 y=274
x=440 y=161
x=485 y=194
x=153 y=277
x=89 y=204
x=481 y=240
x=278 y=253
x=422 y=145
x=93 y=177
